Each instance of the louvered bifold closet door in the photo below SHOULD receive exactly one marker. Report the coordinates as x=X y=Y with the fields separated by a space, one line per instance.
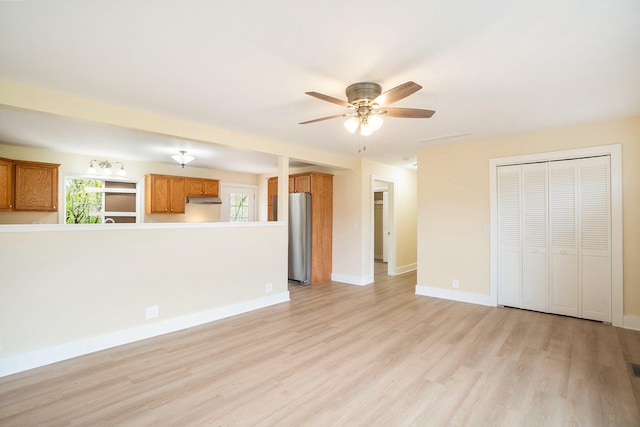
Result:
x=563 y=220
x=509 y=236
x=594 y=195
x=534 y=242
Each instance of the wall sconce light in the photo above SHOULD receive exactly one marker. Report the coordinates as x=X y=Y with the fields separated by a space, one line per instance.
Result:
x=183 y=158
x=105 y=167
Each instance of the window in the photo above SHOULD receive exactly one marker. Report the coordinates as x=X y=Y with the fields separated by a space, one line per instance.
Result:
x=238 y=207
x=99 y=201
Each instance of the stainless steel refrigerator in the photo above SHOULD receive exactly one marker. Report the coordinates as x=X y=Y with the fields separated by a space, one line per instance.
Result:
x=300 y=238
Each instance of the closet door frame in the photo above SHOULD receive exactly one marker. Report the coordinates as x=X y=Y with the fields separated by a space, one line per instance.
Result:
x=615 y=153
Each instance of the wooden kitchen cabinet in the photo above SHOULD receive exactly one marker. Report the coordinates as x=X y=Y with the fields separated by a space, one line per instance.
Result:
x=6 y=185
x=272 y=191
x=165 y=194
x=203 y=187
x=320 y=185
x=35 y=186
x=301 y=183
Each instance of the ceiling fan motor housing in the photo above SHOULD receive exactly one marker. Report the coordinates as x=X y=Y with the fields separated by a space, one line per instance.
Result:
x=364 y=91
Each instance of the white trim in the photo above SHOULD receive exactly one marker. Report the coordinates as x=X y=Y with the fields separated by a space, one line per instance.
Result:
x=33 y=359
x=25 y=228
x=405 y=269
x=352 y=280
x=632 y=322
x=428 y=291
x=615 y=151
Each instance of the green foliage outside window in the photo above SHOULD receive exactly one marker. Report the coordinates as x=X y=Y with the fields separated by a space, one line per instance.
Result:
x=81 y=203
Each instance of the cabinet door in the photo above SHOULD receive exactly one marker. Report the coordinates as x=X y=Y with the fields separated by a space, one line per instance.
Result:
x=272 y=191
x=302 y=184
x=178 y=195
x=36 y=186
x=158 y=194
x=211 y=187
x=6 y=185
x=195 y=187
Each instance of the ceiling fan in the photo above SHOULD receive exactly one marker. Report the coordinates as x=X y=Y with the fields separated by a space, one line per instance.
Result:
x=367 y=103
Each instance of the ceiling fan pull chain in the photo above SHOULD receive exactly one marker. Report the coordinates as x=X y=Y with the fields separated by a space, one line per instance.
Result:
x=362 y=145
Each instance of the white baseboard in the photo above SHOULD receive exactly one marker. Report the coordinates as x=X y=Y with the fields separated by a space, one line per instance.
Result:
x=632 y=322
x=352 y=280
x=405 y=269
x=428 y=291
x=33 y=359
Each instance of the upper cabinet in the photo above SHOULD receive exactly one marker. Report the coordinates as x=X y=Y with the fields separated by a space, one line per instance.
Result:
x=301 y=183
x=28 y=186
x=6 y=185
x=202 y=187
x=165 y=194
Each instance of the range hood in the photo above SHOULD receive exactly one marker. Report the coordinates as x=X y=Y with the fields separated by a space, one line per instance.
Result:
x=200 y=200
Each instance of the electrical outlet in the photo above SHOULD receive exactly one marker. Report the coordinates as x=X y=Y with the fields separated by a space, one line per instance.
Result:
x=456 y=283
x=152 y=312
x=268 y=287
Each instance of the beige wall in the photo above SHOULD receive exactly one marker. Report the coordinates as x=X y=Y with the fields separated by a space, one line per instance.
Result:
x=347 y=223
x=72 y=164
x=453 y=203
x=60 y=286
x=353 y=219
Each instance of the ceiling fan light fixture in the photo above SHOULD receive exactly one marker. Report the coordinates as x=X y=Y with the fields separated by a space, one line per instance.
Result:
x=352 y=124
x=375 y=122
x=183 y=158
x=366 y=129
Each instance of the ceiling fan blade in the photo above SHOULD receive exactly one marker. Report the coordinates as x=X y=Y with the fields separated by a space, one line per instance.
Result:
x=411 y=113
x=329 y=99
x=397 y=93
x=323 y=118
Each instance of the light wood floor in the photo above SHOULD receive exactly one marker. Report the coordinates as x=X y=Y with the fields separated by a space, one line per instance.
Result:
x=338 y=355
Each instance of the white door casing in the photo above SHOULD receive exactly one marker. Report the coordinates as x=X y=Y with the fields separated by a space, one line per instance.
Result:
x=225 y=193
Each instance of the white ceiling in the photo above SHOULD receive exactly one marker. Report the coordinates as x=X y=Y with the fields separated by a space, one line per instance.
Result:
x=488 y=68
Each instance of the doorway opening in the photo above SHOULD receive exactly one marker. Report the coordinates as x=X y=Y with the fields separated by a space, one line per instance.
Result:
x=382 y=233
